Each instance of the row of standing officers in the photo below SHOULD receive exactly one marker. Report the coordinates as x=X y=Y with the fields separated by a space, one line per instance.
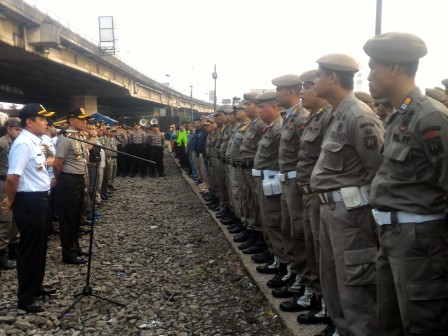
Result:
x=349 y=218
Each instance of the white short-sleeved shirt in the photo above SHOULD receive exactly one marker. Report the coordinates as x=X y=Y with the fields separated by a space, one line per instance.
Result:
x=27 y=160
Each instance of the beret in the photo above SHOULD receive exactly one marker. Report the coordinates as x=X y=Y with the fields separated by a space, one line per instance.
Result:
x=287 y=80
x=339 y=62
x=13 y=122
x=363 y=96
x=396 y=48
x=435 y=94
x=251 y=96
x=267 y=96
x=309 y=76
x=225 y=108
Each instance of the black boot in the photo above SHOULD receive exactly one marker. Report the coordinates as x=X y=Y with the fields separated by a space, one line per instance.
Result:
x=12 y=251
x=5 y=263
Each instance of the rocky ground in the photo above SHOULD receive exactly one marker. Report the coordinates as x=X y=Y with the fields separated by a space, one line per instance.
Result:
x=156 y=250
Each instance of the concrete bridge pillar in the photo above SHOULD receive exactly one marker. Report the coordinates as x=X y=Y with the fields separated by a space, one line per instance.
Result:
x=88 y=102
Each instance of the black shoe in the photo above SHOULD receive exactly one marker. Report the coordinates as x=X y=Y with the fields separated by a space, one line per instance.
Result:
x=264 y=257
x=237 y=229
x=215 y=208
x=44 y=292
x=328 y=331
x=268 y=268
x=5 y=263
x=285 y=291
x=104 y=197
x=315 y=316
x=277 y=281
x=299 y=302
x=143 y=175
x=82 y=253
x=213 y=205
x=251 y=241
x=111 y=187
x=162 y=175
x=254 y=249
x=230 y=221
x=74 y=261
x=210 y=202
x=132 y=175
x=31 y=308
x=241 y=237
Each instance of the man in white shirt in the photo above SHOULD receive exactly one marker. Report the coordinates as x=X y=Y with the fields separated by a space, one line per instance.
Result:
x=27 y=189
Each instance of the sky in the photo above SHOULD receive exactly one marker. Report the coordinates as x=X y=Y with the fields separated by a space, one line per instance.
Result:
x=251 y=41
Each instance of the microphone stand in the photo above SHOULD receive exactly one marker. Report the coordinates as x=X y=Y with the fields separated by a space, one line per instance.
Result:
x=87 y=289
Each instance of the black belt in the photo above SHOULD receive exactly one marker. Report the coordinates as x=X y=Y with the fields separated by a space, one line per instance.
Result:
x=34 y=193
x=245 y=164
x=2 y=177
x=74 y=175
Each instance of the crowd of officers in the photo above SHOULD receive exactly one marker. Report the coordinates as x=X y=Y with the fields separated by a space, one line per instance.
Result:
x=64 y=175
x=342 y=195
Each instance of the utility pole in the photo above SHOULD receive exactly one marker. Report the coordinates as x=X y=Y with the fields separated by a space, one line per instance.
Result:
x=214 y=76
x=191 y=101
x=379 y=11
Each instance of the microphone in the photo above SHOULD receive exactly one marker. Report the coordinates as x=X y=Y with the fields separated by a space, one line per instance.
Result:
x=63 y=131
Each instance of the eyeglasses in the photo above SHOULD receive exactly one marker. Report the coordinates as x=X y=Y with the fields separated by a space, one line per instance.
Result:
x=18 y=129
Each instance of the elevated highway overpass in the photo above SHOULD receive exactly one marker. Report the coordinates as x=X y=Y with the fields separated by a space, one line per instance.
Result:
x=43 y=61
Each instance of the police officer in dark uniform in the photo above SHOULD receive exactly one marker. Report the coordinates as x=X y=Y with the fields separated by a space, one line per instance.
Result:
x=70 y=170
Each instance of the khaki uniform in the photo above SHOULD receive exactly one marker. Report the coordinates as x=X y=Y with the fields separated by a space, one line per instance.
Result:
x=221 y=168
x=234 y=158
x=266 y=160
x=232 y=182
x=70 y=190
x=248 y=150
x=410 y=190
x=291 y=197
x=213 y=159
x=8 y=229
x=111 y=160
x=350 y=157
x=313 y=134
x=230 y=178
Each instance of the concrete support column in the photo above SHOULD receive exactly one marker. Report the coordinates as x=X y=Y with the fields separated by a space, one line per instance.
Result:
x=88 y=102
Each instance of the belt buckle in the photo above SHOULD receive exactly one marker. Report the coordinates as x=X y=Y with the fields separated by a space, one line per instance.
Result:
x=281 y=177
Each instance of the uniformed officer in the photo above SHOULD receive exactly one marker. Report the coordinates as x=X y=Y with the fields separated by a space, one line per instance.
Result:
x=445 y=84
x=293 y=241
x=27 y=190
x=70 y=170
x=254 y=241
x=137 y=139
x=313 y=134
x=409 y=193
x=267 y=184
x=233 y=156
x=9 y=236
x=348 y=161
x=156 y=140
x=212 y=153
x=230 y=179
x=438 y=95
x=112 y=157
x=365 y=98
x=223 y=131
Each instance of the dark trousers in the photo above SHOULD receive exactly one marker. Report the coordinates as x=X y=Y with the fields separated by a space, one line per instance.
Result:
x=30 y=211
x=138 y=150
x=121 y=161
x=69 y=202
x=157 y=156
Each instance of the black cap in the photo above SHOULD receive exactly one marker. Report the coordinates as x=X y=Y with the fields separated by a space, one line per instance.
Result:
x=78 y=112
x=34 y=110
